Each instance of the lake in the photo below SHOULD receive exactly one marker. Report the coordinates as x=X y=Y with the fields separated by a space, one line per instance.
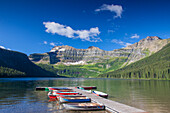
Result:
x=19 y=95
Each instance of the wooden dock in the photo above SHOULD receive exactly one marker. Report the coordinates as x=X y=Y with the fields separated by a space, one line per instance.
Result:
x=111 y=106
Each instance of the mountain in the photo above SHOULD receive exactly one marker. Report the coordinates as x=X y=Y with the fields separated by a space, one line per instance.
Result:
x=156 y=66
x=69 y=55
x=93 y=61
x=145 y=47
x=15 y=64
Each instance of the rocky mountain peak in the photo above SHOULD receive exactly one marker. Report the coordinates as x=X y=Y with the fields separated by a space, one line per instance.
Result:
x=93 y=48
x=153 y=38
x=145 y=43
x=66 y=47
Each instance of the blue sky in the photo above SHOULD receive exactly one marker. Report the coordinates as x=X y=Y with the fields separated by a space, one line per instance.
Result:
x=35 y=26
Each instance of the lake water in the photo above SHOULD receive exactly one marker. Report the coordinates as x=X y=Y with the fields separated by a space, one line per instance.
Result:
x=19 y=95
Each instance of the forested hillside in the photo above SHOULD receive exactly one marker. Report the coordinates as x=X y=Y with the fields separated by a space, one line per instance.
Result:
x=156 y=66
x=14 y=64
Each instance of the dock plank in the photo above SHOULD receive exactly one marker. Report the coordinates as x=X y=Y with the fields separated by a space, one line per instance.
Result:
x=111 y=106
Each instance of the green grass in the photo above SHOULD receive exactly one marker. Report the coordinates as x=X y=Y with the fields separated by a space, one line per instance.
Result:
x=146 y=52
x=91 y=70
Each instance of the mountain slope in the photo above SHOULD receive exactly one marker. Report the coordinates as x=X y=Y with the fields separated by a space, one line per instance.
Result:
x=145 y=47
x=89 y=70
x=93 y=61
x=9 y=72
x=14 y=63
x=156 y=66
x=69 y=55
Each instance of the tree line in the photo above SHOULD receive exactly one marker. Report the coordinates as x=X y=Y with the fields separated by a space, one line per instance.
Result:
x=156 y=66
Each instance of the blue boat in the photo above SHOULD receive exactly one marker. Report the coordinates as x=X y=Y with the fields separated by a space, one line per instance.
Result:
x=58 y=88
x=74 y=99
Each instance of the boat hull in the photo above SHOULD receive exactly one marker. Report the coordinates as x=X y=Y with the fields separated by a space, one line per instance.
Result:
x=51 y=96
x=86 y=87
x=58 y=88
x=84 y=108
x=67 y=93
x=66 y=100
x=63 y=90
x=58 y=96
x=42 y=89
x=101 y=94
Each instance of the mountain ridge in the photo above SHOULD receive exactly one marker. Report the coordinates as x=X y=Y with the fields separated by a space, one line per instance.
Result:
x=72 y=62
x=156 y=66
x=134 y=52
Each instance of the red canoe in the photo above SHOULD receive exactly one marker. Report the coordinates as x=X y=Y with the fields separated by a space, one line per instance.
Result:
x=51 y=96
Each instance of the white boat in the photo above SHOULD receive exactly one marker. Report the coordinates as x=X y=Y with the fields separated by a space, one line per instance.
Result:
x=84 y=106
x=99 y=93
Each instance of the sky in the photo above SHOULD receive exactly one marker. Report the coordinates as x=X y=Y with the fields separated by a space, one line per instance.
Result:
x=36 y=26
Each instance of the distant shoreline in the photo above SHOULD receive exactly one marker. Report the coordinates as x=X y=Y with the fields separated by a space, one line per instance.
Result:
x=92 y=78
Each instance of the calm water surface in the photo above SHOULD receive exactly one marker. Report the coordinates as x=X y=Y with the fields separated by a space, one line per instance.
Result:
x=19 y=95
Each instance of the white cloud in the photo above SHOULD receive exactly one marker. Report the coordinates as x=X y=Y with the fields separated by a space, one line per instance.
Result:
x=2 y=47
x=112 y=8
x=135 y=36
x=120 y=42
x=45 y=42
x=127 y=44
x=52 y=44
x=67 y=31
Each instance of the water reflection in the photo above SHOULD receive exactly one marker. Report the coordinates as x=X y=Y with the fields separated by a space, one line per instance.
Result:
x=18 y=94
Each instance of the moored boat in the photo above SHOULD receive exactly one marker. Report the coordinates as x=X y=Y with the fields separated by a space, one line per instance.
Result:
x=86 y=87
x=58 y=96
x=64 y=90
x=71 y=95
x=74 y=99
x=51 y=96
x=65 y=93
x=99 y=93
x=55 y=95
x=42 y=89
x=58 y=88
x=84 y=106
